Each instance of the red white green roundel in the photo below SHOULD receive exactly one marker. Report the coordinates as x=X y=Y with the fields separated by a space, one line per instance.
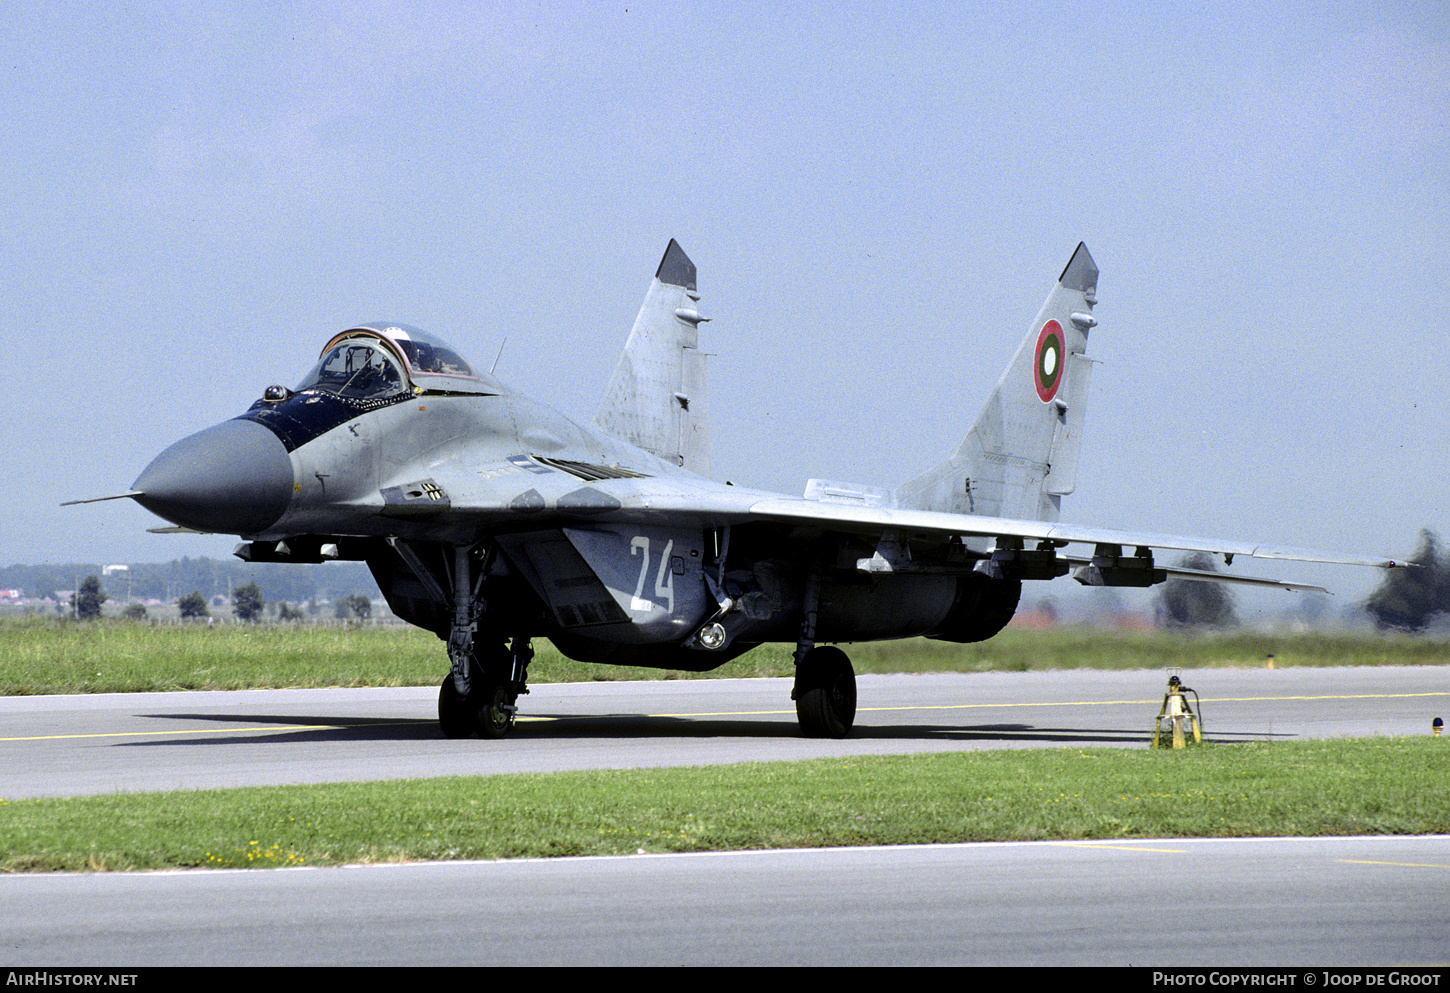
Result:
x=1047 y=365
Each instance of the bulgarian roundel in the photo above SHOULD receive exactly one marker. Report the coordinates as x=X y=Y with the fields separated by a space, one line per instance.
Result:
x=1047 y=363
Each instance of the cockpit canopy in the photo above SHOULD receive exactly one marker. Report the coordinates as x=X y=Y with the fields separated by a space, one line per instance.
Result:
x=379 y=360
x=357 y=369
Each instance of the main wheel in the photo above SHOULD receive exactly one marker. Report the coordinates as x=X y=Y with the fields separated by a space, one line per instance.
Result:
x=825 y=701
x=455 y=712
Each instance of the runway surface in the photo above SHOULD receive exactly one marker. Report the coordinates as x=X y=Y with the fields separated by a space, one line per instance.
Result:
x=73 y=745
x=1281 y=902
x=1221 y=903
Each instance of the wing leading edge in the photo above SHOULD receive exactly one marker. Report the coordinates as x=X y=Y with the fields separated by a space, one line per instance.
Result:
x=1008 y=536
x=1021 y=548
x=928 y=522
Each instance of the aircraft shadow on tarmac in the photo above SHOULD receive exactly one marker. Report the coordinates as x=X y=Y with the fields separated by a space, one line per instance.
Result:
x=545 y=727
x=310 y=727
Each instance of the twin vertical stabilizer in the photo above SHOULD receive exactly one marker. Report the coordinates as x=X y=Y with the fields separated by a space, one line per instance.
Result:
x=656 y=399
x=1020 y=457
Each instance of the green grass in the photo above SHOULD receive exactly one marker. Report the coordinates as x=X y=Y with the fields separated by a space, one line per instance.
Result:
x=1342 y=787
x=54 y=656
x=1373 y=786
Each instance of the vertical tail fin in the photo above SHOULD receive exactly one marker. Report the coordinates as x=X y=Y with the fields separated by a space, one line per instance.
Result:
x=656 y=399
x=1020 y=457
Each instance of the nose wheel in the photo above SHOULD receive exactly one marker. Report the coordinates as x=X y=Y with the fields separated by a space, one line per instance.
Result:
x=496 y=712
x=455 y=714
x=490 y=706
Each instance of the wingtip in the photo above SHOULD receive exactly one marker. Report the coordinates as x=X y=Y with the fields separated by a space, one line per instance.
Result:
x=676 y=267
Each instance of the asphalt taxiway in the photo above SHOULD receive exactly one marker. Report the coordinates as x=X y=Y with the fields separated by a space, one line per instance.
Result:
x=1282 y=902
x=74 y=745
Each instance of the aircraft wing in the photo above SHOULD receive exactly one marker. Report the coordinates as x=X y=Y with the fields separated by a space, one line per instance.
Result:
x=1117 y=557
x=675 y=499
x=1120 y=558
x=879 y=519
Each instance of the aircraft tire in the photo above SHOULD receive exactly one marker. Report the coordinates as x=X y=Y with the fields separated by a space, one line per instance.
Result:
x=455 y=716
x=493 y=719
x=826 y=693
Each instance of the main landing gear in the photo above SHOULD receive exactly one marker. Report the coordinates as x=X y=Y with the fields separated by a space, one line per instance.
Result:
x=825 y=693
x=825 y=684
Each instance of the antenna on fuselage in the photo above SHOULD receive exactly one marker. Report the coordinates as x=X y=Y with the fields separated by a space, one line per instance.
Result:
x=499 y=355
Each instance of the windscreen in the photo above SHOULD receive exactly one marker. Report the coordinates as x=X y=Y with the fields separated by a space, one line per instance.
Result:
x=356 y=369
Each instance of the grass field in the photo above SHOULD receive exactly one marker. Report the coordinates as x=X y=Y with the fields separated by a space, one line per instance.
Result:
x=52 y=656
x=1371 y=786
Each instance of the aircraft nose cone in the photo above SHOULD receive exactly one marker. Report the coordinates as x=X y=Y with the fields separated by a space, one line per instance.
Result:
x=234 y=478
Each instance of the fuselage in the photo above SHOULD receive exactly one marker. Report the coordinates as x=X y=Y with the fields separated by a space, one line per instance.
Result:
x=612 y=552
x=330 y=457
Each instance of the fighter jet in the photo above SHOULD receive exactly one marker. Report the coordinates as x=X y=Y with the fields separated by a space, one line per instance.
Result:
x=491 y=520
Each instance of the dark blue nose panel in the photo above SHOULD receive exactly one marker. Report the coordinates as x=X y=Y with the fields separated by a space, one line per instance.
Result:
x=234 y=478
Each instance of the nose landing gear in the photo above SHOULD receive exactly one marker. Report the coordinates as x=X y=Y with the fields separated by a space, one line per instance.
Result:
x=497 y=678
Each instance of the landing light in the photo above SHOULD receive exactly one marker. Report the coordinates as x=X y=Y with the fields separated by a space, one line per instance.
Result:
x=712 y=636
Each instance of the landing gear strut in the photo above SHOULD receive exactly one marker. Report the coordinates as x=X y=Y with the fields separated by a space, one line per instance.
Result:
x=825 y=684
x=485 y=678
x=497 y=678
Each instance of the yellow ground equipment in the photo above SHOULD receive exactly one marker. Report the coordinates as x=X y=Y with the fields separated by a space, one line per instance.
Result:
x=1176 y=709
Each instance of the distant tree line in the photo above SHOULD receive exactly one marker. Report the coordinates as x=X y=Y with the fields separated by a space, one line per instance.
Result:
x=1410 y=598
x=248 y=605
x=210 y=577
x=1407 y=599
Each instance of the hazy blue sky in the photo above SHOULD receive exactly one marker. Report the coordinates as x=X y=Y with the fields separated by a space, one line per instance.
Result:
x=877 y=196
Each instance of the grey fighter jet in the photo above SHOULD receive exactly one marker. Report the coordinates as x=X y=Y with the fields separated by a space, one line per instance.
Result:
x=490 y=519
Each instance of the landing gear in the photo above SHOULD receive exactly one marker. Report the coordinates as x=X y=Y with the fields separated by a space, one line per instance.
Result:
x=486 y=676
x=455 y=715
x=825 y=693
x=496 y=715
x=825 y=684
x=490 y=706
